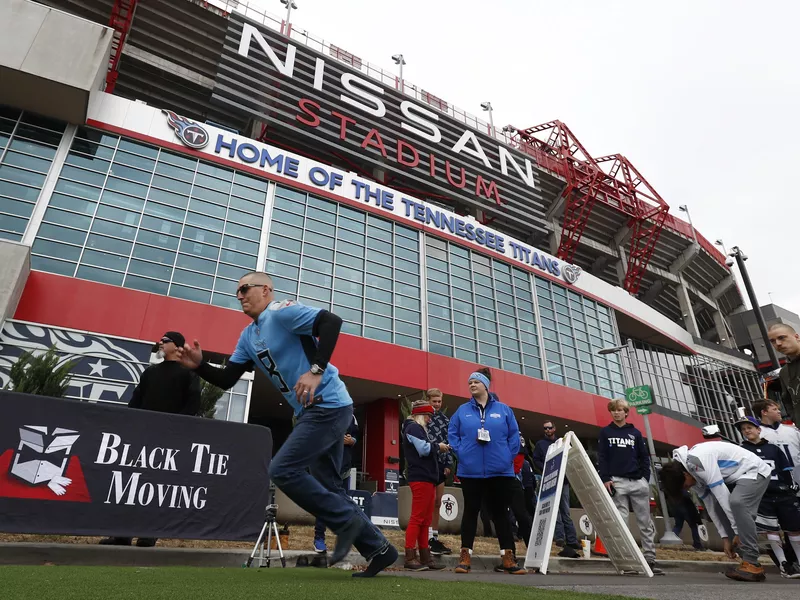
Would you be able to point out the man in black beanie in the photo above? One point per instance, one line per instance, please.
(164, 387)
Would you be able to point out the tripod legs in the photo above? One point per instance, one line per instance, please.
(269, 529)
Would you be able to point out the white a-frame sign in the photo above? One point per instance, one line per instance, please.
(567, 456)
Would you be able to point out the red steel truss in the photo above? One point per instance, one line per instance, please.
(611, 180)
(120, 22)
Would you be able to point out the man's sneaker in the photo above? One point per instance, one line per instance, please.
(746, 572)
(790, 570)
(569, 552)
(319, 546)
(654, 568)
(560, 543)
(438, 548)
(575, 546)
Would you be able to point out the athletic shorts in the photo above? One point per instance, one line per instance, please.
(776, 513)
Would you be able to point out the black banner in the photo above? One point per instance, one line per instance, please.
(69, 467)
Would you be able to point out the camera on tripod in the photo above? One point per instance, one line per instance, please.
(268, 531)
(271, 512)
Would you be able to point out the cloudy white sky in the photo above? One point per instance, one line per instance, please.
(702, 96)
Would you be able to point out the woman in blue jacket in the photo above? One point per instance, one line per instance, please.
(484, 435)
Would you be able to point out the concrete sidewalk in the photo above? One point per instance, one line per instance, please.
(96, 555)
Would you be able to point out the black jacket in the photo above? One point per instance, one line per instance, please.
(168, 387)
(347, 454)
(790, 385)
(621, 452)
(781, 481)
(421, 454)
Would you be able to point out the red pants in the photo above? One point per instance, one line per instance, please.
(423, 497)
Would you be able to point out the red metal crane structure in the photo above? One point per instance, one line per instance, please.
(611, 180)
(120, 22)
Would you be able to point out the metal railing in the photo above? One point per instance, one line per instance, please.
(390, 79)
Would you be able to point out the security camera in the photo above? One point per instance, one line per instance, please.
(486, 105)
(729, 262)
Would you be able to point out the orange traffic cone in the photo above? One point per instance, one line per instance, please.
(599, 548)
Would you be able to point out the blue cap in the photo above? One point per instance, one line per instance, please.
(743, 420)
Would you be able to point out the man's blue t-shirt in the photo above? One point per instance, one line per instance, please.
(281, 344)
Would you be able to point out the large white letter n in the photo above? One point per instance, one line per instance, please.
(249, 32)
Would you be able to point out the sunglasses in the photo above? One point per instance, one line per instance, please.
(242, 289)
(548, 428)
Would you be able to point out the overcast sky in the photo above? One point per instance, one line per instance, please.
(702, 96)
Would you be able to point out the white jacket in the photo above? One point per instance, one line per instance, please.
(787, 438)
(714, 464)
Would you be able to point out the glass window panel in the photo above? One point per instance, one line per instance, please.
(274, 268)
(39, 263)
(187, 293)
(226, 301)
(168, 198)
(101, 275)
(318, 227)
(68, 202)
(165, 212)
(237, 258)
(214, 210)
(406, 302)
(77, 189)
(347, 314)
(243, 232)
(351, 328)
(407, 328)
(157, 239)
(208, 195)
(253, 182)
(95, 142)
(285, 243)
(314, 204)
(130, 173)
(63, 234)
(342, 285)
(440, 337)
(193, 279)
(193, 218)
(126, 187)
(349, 248)
(132, 160)
(122, 201)
(378, 334)
(208, 181)
(148, 269)
(350, 274)
(87, 162)
(438, 323)
(173, 185)
(379, 308)
(54, 215)
(20, 176)
(287, 217)
(33, 147)
(198, 249)
(286, 286)
(146, 285)
(315, 292)
(239, 245)
(230, 272)
(101, 242)
(378, 321)
(408, 341)
(380, 282)
(116, 214)
(350, 237)
(407, 278)
(159, 255)
(56, 249)
(113, 229)
(243, 218)
(14, 207)
(250, 194)
(247, 206)
(284, 256)
(315, 278)
(196, 264)
(138, 148)
(103, 259)
(348, 300)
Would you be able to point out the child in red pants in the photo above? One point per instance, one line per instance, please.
(422, 476)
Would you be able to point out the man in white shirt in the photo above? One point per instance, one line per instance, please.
(785, 437)
(710, 467)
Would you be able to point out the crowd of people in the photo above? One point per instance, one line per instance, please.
(747, 489)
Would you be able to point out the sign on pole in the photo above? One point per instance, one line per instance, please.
(641, 398)
(568, 457)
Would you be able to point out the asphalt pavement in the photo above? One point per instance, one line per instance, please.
(673, 586)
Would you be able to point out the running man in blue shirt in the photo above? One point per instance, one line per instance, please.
(292, 345)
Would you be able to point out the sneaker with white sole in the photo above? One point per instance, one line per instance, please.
(319, 546)
(790, 570)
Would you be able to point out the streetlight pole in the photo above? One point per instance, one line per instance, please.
(289, 4)
(669, 536)
(487, 106)
(740, 257)
(684, 208)
(400, 60)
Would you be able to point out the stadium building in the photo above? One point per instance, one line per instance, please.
(152, 152)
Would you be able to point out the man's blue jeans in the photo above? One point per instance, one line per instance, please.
(319, 526)
(564, 520)
(316, 444)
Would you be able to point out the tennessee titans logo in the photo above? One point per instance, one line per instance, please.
(571, 273)
(189, 132)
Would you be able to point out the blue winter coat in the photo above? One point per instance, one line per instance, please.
(478, 460)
